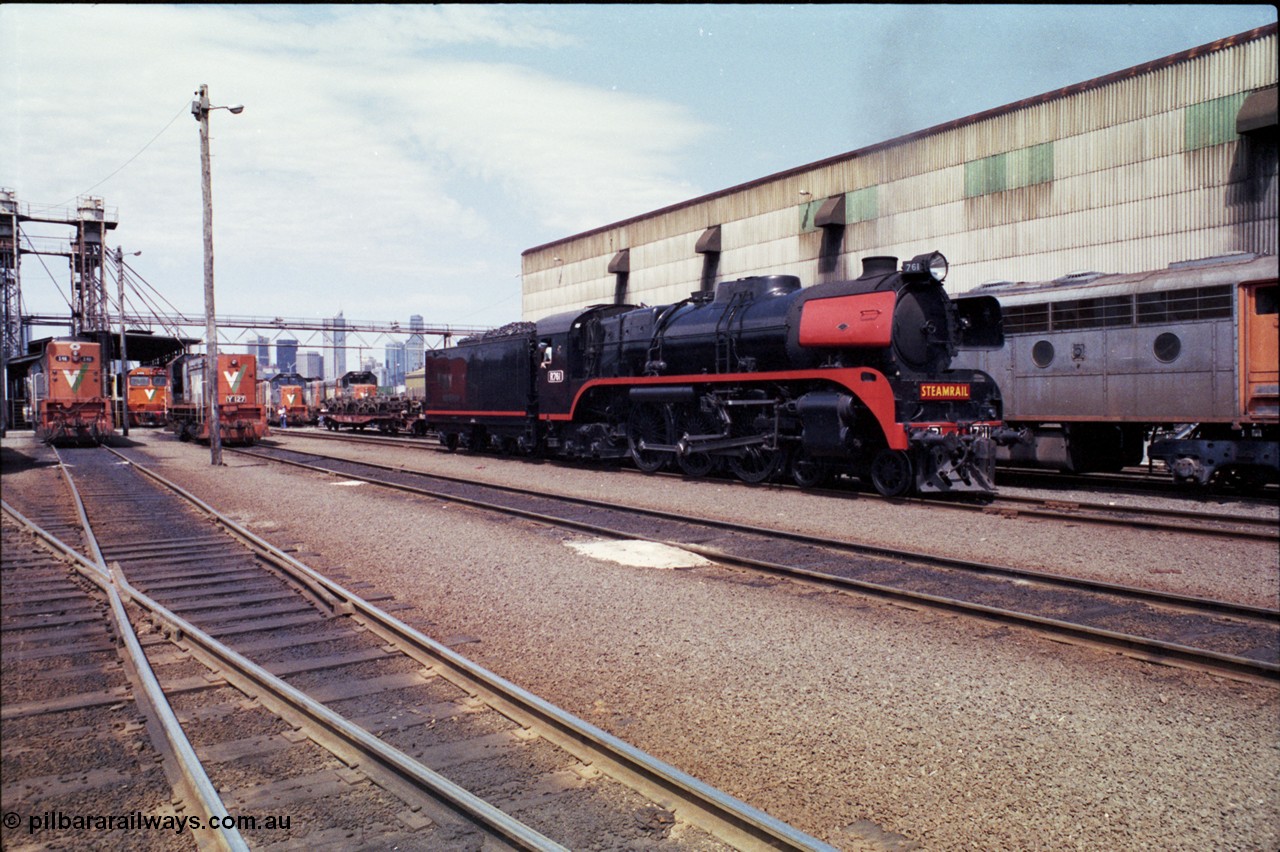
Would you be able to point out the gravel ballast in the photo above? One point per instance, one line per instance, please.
(866, 724)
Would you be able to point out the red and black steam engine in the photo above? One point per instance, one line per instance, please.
(762, 377)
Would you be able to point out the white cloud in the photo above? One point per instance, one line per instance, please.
(369, 158)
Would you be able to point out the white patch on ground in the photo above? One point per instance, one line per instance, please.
(639, 554)
(349, 482)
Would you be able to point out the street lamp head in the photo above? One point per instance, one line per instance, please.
(237, 109)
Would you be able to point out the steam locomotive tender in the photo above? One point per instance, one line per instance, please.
(762, 377)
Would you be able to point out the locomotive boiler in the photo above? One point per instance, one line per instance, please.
(761, 377)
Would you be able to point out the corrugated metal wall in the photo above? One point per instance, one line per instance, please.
(1126, 173)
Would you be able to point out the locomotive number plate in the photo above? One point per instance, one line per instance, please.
(944, 390)
(235, 397)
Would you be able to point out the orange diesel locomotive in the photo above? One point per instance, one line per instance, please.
(148, 396)
(68, 405)
(241, 419)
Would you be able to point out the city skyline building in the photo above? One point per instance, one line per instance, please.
(287, 355)
(311, 364)
(335, 340)
(415, 346)
(395, 364)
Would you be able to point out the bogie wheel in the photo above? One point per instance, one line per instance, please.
(809, 472)
(891, 473)
(450, 441)
(756, 464)
(649, 424)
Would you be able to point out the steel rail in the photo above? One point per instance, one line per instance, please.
(1129, 479)
(1041, 507)
(1152, 650)
(257, 681)
(1132, 592)
(1069, 505)
(722, 815)
(96, 571)
(254, 680)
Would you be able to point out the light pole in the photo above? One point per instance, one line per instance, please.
(200, 109)
(124, 352)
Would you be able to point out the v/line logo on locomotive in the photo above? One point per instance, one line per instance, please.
(233, 381)
(75, 377)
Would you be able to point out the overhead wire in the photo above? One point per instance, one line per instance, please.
(128, 161)
(32, 248)
(132, 280)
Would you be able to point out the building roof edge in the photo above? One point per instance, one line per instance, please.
(1074, 89)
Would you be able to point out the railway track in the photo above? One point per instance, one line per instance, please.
(310, 704)
(89, 733)
(1136, 480)
(73, 729)
(1226, 525)
(1217, 636)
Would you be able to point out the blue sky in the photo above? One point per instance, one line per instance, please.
(396, 160)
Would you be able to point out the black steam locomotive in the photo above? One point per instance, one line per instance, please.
(761, 377)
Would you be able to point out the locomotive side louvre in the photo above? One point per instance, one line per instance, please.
(762, 376)
(65, 388)
(1095, 365)
(264, 395)
(241, 416)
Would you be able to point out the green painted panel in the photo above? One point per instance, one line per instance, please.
(1211, 122)
(1029, 166)
(862, 205)
(1024, 167)
(985, 176)
(808, 212)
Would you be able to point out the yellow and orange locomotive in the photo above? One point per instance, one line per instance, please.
(68, 401)
(241, 419)
(148, 396)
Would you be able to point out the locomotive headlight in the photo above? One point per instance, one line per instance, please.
(933, 264)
